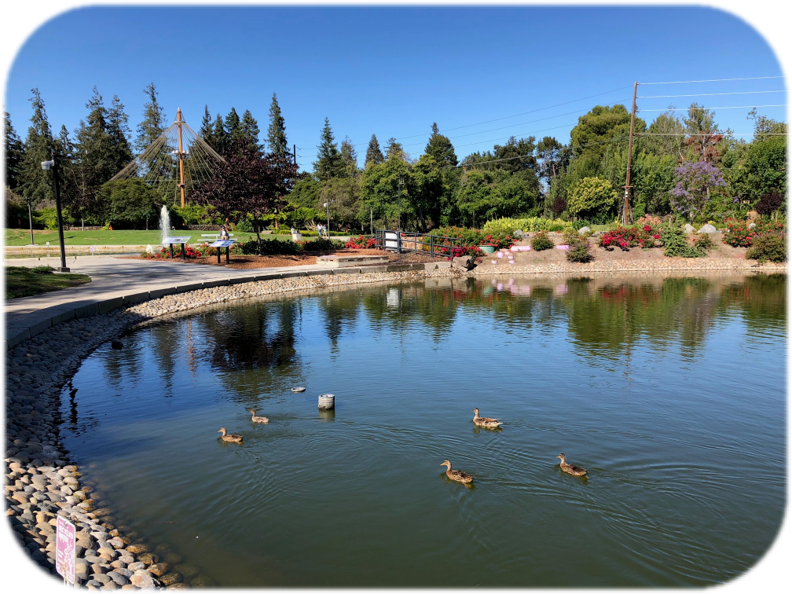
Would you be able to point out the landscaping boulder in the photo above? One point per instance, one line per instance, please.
(708, 229)
(583, 230)
(752, 215)
(689, 228)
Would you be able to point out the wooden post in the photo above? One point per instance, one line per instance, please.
(181, 155)
(627, 185)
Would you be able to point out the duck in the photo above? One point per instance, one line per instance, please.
(457, 475)
(571, 468)
(256, 419)
(230, 437)
(486, 422)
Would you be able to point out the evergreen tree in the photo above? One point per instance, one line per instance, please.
(206, 124)
(233, 126)
(219, 139)
(14, 154)
(93, 142)
(440, 149)
(250, 128)
(153, 124)
(276, 133)
(329, 163)
(349, 158)
(118, 129)
(374, 155)
(395, 150)
(36, 183)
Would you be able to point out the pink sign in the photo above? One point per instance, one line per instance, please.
(64, 549)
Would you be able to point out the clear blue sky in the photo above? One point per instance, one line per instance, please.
(392, 71)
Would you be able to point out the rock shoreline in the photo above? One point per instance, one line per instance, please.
(42, 481)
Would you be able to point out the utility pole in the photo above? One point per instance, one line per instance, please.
(627, 217)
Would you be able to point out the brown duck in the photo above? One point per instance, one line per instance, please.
(230, 437)
(256, 419)
(457, 475)
(571, 468)
(486, 422)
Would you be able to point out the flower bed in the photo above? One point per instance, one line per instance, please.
(462, 241)
(738, 234)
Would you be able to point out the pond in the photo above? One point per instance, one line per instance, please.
(669, 391)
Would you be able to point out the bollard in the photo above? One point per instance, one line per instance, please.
(326, 401)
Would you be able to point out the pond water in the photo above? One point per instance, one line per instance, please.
(671, 392)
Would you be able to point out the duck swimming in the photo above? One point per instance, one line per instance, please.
(457, 475)
(230, 437)
(486, 422)
(571, 468)
(256, 419)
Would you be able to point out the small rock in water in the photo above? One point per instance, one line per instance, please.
(117, 344)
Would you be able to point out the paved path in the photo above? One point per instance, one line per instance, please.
(118, 281)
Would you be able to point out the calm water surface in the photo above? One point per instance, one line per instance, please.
(671, 392)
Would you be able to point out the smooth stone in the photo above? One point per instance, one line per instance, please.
(708, 229)
(136, 566)
(583, 230)
(138, 548)
(689, 228)
(159, 569)
(142, 581)
(174, 577)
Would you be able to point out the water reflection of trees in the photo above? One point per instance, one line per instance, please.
(263, 335)
(760, 299)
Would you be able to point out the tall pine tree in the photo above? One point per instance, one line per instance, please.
(219, 139)
(329, 163)
(233, 125)
(14, 155)
(118, 129)
(349, 158)
(250, 129)
(276, 132)
(374, 155)
(153, 124)
(394, 150)
(206, 124)
(36, 183)
(440, 148)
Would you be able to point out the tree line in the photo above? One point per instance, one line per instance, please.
(686, 166)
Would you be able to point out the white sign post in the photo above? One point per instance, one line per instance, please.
(65, 558)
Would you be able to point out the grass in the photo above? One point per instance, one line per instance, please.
(23, 282)
(19, 237)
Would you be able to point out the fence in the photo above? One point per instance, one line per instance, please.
(434, 245)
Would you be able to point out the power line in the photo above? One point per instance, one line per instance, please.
(681, 82)
(711, 134)
(703, 107)
(523, 113)
(707, 94)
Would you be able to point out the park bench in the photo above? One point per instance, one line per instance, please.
(214, 236)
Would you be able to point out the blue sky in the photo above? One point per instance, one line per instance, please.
(393, 71)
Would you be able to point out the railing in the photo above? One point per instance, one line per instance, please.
(433, 245)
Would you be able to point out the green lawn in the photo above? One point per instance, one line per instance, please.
(17, 237)
(23, 282)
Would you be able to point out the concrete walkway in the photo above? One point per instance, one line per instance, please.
(119, 281)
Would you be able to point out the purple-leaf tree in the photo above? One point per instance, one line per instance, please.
(694, 183)
(248, 183)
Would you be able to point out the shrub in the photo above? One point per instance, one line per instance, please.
(768, 246)
(676, 244)
(42, 269)
(541, 241)
(577, 225)
(769, 203)
(592, 195)
(626, 237)
(469, 239)
(320, 245)
(579, 249)
(527, 224)
(360, 243)
(739, 235)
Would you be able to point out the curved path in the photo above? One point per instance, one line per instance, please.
(125, 281)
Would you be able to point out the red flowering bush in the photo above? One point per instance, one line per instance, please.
(738, 234)
(627, 237)
(361, 243)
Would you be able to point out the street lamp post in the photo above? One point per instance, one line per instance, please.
(46, 166)
(327, 229)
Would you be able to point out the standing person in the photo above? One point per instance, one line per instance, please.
(319, 229)
(223, 232)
